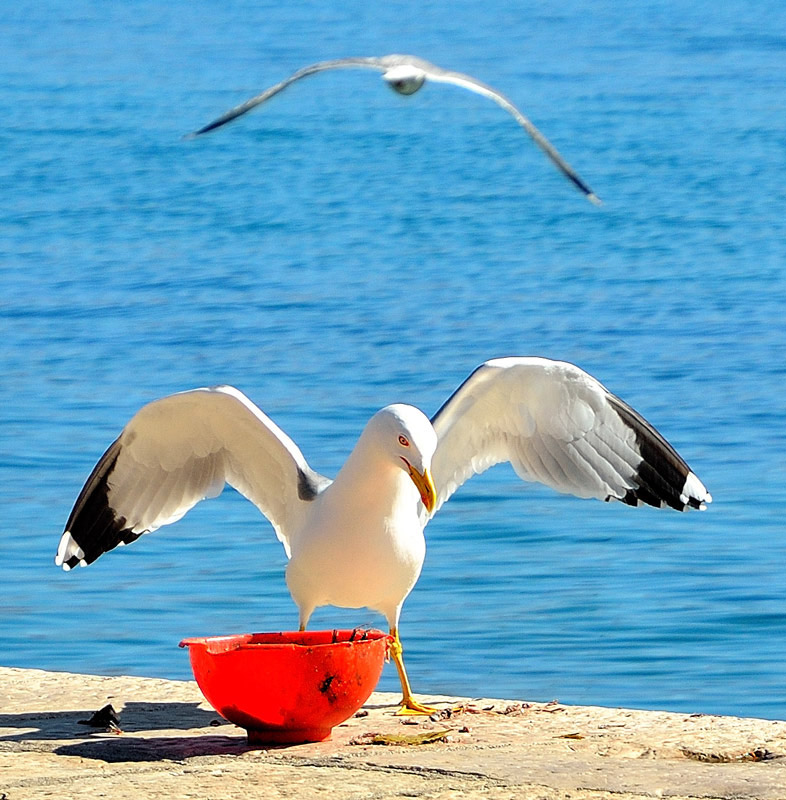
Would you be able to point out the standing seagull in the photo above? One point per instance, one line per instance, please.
(358, 540)
(405, 75)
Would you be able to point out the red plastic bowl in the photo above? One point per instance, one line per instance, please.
(288, 687)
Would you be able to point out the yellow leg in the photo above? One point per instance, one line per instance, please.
(409, 706)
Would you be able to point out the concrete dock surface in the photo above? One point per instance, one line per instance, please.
(172, 745)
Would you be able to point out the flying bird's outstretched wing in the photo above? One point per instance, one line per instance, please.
(313, 69)
(558, 426)
(439, 75)
(177, 451)
(406, 74)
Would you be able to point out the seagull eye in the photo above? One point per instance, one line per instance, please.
(403, 441)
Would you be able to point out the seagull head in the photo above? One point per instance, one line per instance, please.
(404, 78)
(406, 436)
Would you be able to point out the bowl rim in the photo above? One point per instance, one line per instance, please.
(347, 637)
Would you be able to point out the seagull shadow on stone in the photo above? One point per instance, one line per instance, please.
(133, 718)
(116, 749)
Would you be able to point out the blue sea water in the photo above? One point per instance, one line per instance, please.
(344, 248)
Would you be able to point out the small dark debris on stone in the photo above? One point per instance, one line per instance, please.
(105, 718)
(362, 713)
(364, 738)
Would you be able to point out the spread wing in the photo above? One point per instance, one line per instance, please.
(177, 451)
(558, 426)
(379, 64)
(439, 75)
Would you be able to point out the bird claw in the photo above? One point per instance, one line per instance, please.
(412, 708)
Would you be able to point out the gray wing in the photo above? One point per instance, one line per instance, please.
(379, 64)
(558, 426)
(440, 75)
(177, 451)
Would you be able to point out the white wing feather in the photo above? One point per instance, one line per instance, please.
(557, 426)
(185, 447)
(177, 451)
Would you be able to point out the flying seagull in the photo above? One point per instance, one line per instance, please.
(357, 541)
(405, 75)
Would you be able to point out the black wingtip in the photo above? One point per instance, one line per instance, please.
(230, 115)
(93, 524)
(662, 478)
(206, 129)
(580, 185)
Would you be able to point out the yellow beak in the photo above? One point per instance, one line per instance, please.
(425, 485)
